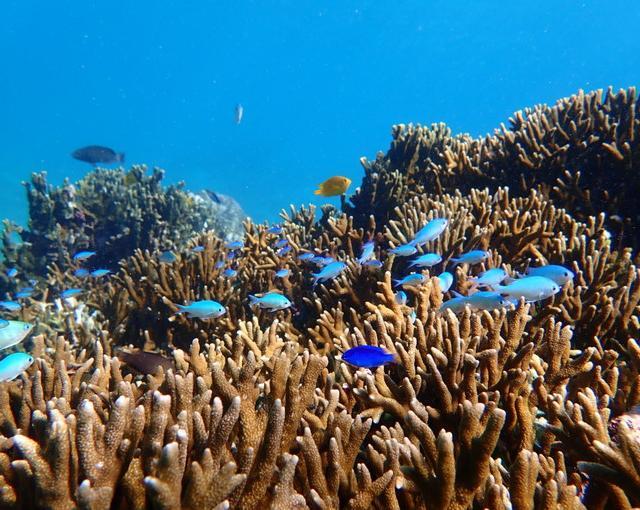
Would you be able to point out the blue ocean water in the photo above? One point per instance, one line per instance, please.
(321, 83)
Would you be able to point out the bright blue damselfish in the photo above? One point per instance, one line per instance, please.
(367, 252)
(329, 272)
(205, 309)
(490, 278)
(472, 257)
(83, 255)
(271, 301)
(367, 356)
(558, 274)
(426, 260)
(13, 365)
(404, 250)
(430, 231)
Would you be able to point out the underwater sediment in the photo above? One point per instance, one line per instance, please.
(527, 406)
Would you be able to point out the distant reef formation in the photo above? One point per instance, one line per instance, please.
(113, 212)
(583, 154)
(531, 406)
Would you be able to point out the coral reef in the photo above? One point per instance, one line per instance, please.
(113, 212)
(529, 406)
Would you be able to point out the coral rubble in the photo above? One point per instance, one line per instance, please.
(527, 406)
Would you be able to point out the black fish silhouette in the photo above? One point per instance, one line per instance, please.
(96, 154)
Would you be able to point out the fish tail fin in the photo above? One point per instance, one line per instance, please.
(456, 294)
(120, 157)
(181, 309)
(253, 300)
(455, 260)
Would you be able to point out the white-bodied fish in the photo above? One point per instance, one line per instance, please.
(558, 274)
(426, 260)
(238, 113)
(472, 257)
(490, 278)
(404, 250)
(411, 280)
(486, 300)
(205, 309)
(367, 252)
(271, 301)
(401, 297)
(430, 231)
(13, 365)
(14, 333)
(531, 288)
(456, 304)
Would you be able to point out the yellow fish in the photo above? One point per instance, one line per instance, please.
(336, 185)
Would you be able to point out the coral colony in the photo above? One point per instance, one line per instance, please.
(500, 371)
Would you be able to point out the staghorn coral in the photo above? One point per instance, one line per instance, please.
(534, 406)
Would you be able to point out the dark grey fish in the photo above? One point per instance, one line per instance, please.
(96, 154)
(146, 362)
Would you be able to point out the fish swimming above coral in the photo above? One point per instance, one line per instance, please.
(83, 255)
(367, 356)
(430, 231)
(145, 362)
(329, 272)
(167, 257)
(271, 301)
(490, 278)
(13, 365)
(333, 186)
(205, 309)
(404, 250)
(426, 260)
(10, 306)
(411, 280)
(558, 274)
(14, 333)
(471, 257)
(446, 280)
(531, 288)
(95, 154)
(367, 252)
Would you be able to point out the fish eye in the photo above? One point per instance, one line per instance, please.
(566, 274)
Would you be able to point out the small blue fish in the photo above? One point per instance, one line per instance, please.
(65, 294)
(219, 264)
(97, 273)
(367, 252)
(231, 255)
(472, 257)
(404, 250)
(271, 301)
(81, 272)
(3, 323)
(412, 280)
(445, 280)
(275, 230)
(11, 272)
(283, 273)
(373, 263)
(306, 256)
(197, 249)
(14, 333)
(558, 274)
(167, 257)
(83, 255)
(13, 365)
(11, 306)
(486, 300)
(33, 282)
(456, 304)
(329, 272)
(281, 242)
(426, 260)
(401, 297)
(322, 260)
(205, 309)
(531, 288)
(229, 273)
(23, 294)
(234, 245)
(368, 356)
(490, 278)
(283, 251)
(430, 231)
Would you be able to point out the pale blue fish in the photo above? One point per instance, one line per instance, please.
(275, 230)
(231, 255)
(558, 274)
(13, 365)
(445, 280)
(404, 250)
(271, 301)
(401, 297)
(81, 272)
(65, 294)
(471, 257)
(283, 273)
(283, 251)
(11, 306)
(234, 245)
(97, 273)
(205, 309)
(322, 260)
(83, 255)
(367, 356)
(33, 282)
(3, 323)
(14, 333)
(490, 278)
(22, 294)
(306, 256)
(11, 272)
(426, 260)
(329, 272)
(373, 263)
(167, 257)
(229, 273)
(281, 242)
(486, 300)
(197, 249)
(456, 304)
(430, 231)
(367, 252)
(219, 264)
(413, 316)
(412, 280)
(531, 288)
